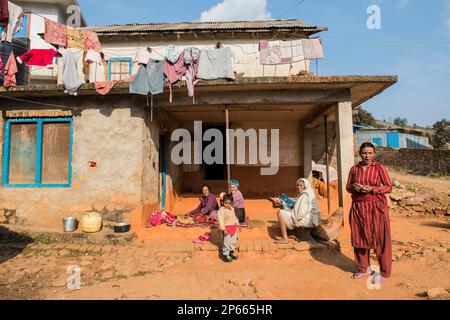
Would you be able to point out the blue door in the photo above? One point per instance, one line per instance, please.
(393, 139)
(377, 141)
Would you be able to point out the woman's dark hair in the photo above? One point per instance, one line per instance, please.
(367, 145)
(228, 197)
(206, 186)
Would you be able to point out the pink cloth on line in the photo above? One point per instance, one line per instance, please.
(104, 88)
(39, 57)
(191, 77)
(10, 72)
(174, 72)
(313, 49)
(55, 33)
(91, 41)
(1, 64)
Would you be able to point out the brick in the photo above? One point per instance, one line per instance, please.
(250, 246)
(302, 246)
(242, 246)
(286, 246)
(258, 245)
(266, 246)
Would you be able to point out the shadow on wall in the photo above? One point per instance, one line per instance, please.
(12, 244)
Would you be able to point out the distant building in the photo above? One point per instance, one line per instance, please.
(393, 138)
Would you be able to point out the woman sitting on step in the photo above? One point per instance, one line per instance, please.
(208, 207)
(238, 200)
(300, 212)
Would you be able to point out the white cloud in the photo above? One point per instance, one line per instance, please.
(229, 10)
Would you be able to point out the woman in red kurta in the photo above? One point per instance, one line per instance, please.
(369, 216)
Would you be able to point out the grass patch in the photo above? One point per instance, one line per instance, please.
(121, 276)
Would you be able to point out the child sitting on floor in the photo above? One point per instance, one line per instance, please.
(228, 224)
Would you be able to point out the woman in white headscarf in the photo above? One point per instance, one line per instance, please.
(305, 213)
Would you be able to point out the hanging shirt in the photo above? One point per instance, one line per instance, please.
(10, 72)
(55, 33)
(148, 79)
(216, 64)
(142, 56)
(275, 52)
(91, 41)
(38, 57)
(75, 38)
(4, 13)
(313, 49)
(171, 53)
(93, 56)
(14, 22)
(174, 72)
(70, 77)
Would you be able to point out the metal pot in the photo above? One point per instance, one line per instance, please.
(70, 224)
(122, 227)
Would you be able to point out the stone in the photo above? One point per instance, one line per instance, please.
(437, 293)
(396, 197)
(440, 249)
(289, 245)
(85, 263)
(64, 252)
(302, 246)
(411, 202)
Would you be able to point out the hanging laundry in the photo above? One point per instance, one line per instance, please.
(174, 71)
(93, 56)
(142, 56)
(148, 79)
(1, 64)
(10, 72)
(191, 59)
(91, 41)
(171, 54)
(216, 64)
(75, 38)
(313, 49)
(38, 57)
(15, 22)
(55, 33)
(191, 54)
(104, 88)
(70, 77)
(4, 13)
(275, 52)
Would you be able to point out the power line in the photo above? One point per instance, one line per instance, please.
(290, 9)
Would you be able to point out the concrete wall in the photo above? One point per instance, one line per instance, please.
(116, 135)
(252, 182)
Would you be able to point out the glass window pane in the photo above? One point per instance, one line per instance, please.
(22, 159)
(55, 153)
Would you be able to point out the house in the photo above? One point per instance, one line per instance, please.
(393, 137)
(65, 155)
(35, 12)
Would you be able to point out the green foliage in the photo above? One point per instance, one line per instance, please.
(441, 137)
(364, 117)
(401, 122)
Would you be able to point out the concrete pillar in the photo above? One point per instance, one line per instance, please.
(345, 155)
(307, 153)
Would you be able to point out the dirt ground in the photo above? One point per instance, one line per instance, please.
(140, 271)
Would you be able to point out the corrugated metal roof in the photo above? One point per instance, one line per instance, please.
(260, 25)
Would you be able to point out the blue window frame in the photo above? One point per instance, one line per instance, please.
(119, 68)
(29, 151)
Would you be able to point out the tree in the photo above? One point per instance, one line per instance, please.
(401, 122)
(364, 117)
(441, 137)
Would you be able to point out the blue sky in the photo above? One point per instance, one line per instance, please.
(413, 43)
